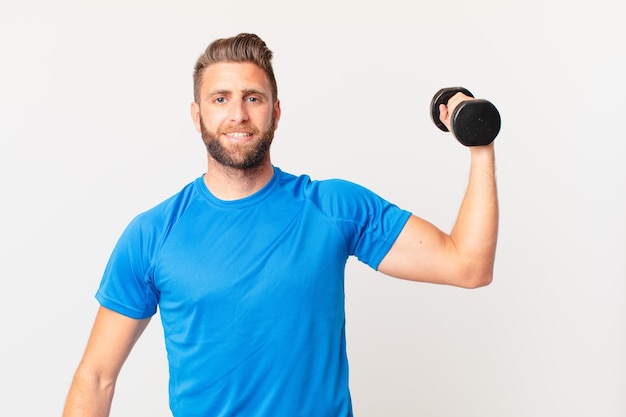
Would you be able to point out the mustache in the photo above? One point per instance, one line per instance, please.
(240, 128)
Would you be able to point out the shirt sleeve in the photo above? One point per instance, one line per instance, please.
(126, 286)
(369, 223)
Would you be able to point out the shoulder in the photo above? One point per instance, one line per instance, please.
(320, 188)
(166, 213)
(335, 197)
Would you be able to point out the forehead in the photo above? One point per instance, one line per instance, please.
(234, 76)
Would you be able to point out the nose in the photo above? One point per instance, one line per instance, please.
(239, 112)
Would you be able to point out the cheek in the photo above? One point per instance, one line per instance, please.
(210, 121)
(270, 121)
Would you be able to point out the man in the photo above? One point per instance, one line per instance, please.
(246, 263)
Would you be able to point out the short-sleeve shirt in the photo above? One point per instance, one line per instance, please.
(251, 292)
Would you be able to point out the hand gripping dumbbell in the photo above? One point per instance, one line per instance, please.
(473, 122)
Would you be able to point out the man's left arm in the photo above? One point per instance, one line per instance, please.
(464, 257)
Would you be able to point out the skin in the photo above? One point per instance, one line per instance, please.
(237, 111)
(111, 340)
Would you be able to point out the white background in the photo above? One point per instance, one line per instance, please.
(95, 127)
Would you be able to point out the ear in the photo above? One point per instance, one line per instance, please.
(276, 113)
(195, 116)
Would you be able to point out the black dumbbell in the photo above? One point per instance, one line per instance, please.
(473, 122)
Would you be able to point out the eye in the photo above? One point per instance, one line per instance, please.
(253, 99)
(220, 100)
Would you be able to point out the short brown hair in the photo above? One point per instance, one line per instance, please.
(245, 47)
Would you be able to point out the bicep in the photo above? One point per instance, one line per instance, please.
(112, 338)
(422, 252)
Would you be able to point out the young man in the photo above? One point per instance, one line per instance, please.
(246, 263)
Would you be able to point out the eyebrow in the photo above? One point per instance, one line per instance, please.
(251, 91)
(246, 92)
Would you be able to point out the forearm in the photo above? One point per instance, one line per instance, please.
(476, 229)
(89, 396)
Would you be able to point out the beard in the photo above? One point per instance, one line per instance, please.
(239, 156)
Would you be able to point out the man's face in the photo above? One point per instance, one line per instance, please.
(236, 114)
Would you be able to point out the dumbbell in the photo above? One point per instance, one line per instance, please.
(473, 122)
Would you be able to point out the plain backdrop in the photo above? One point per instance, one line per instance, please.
(95, 127)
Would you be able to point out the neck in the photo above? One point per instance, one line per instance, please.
(228, 183)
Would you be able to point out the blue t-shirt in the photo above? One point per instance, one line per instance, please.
(251, 292)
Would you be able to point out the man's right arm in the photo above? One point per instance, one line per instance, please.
(112, 338)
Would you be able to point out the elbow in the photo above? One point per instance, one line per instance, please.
(478, 281)
(94, 378)
(476, 276)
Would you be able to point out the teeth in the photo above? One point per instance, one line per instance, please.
(239, 134)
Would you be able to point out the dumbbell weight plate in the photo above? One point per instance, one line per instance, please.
(475, 123)
(441, 97)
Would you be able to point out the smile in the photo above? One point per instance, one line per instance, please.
(239, 137)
